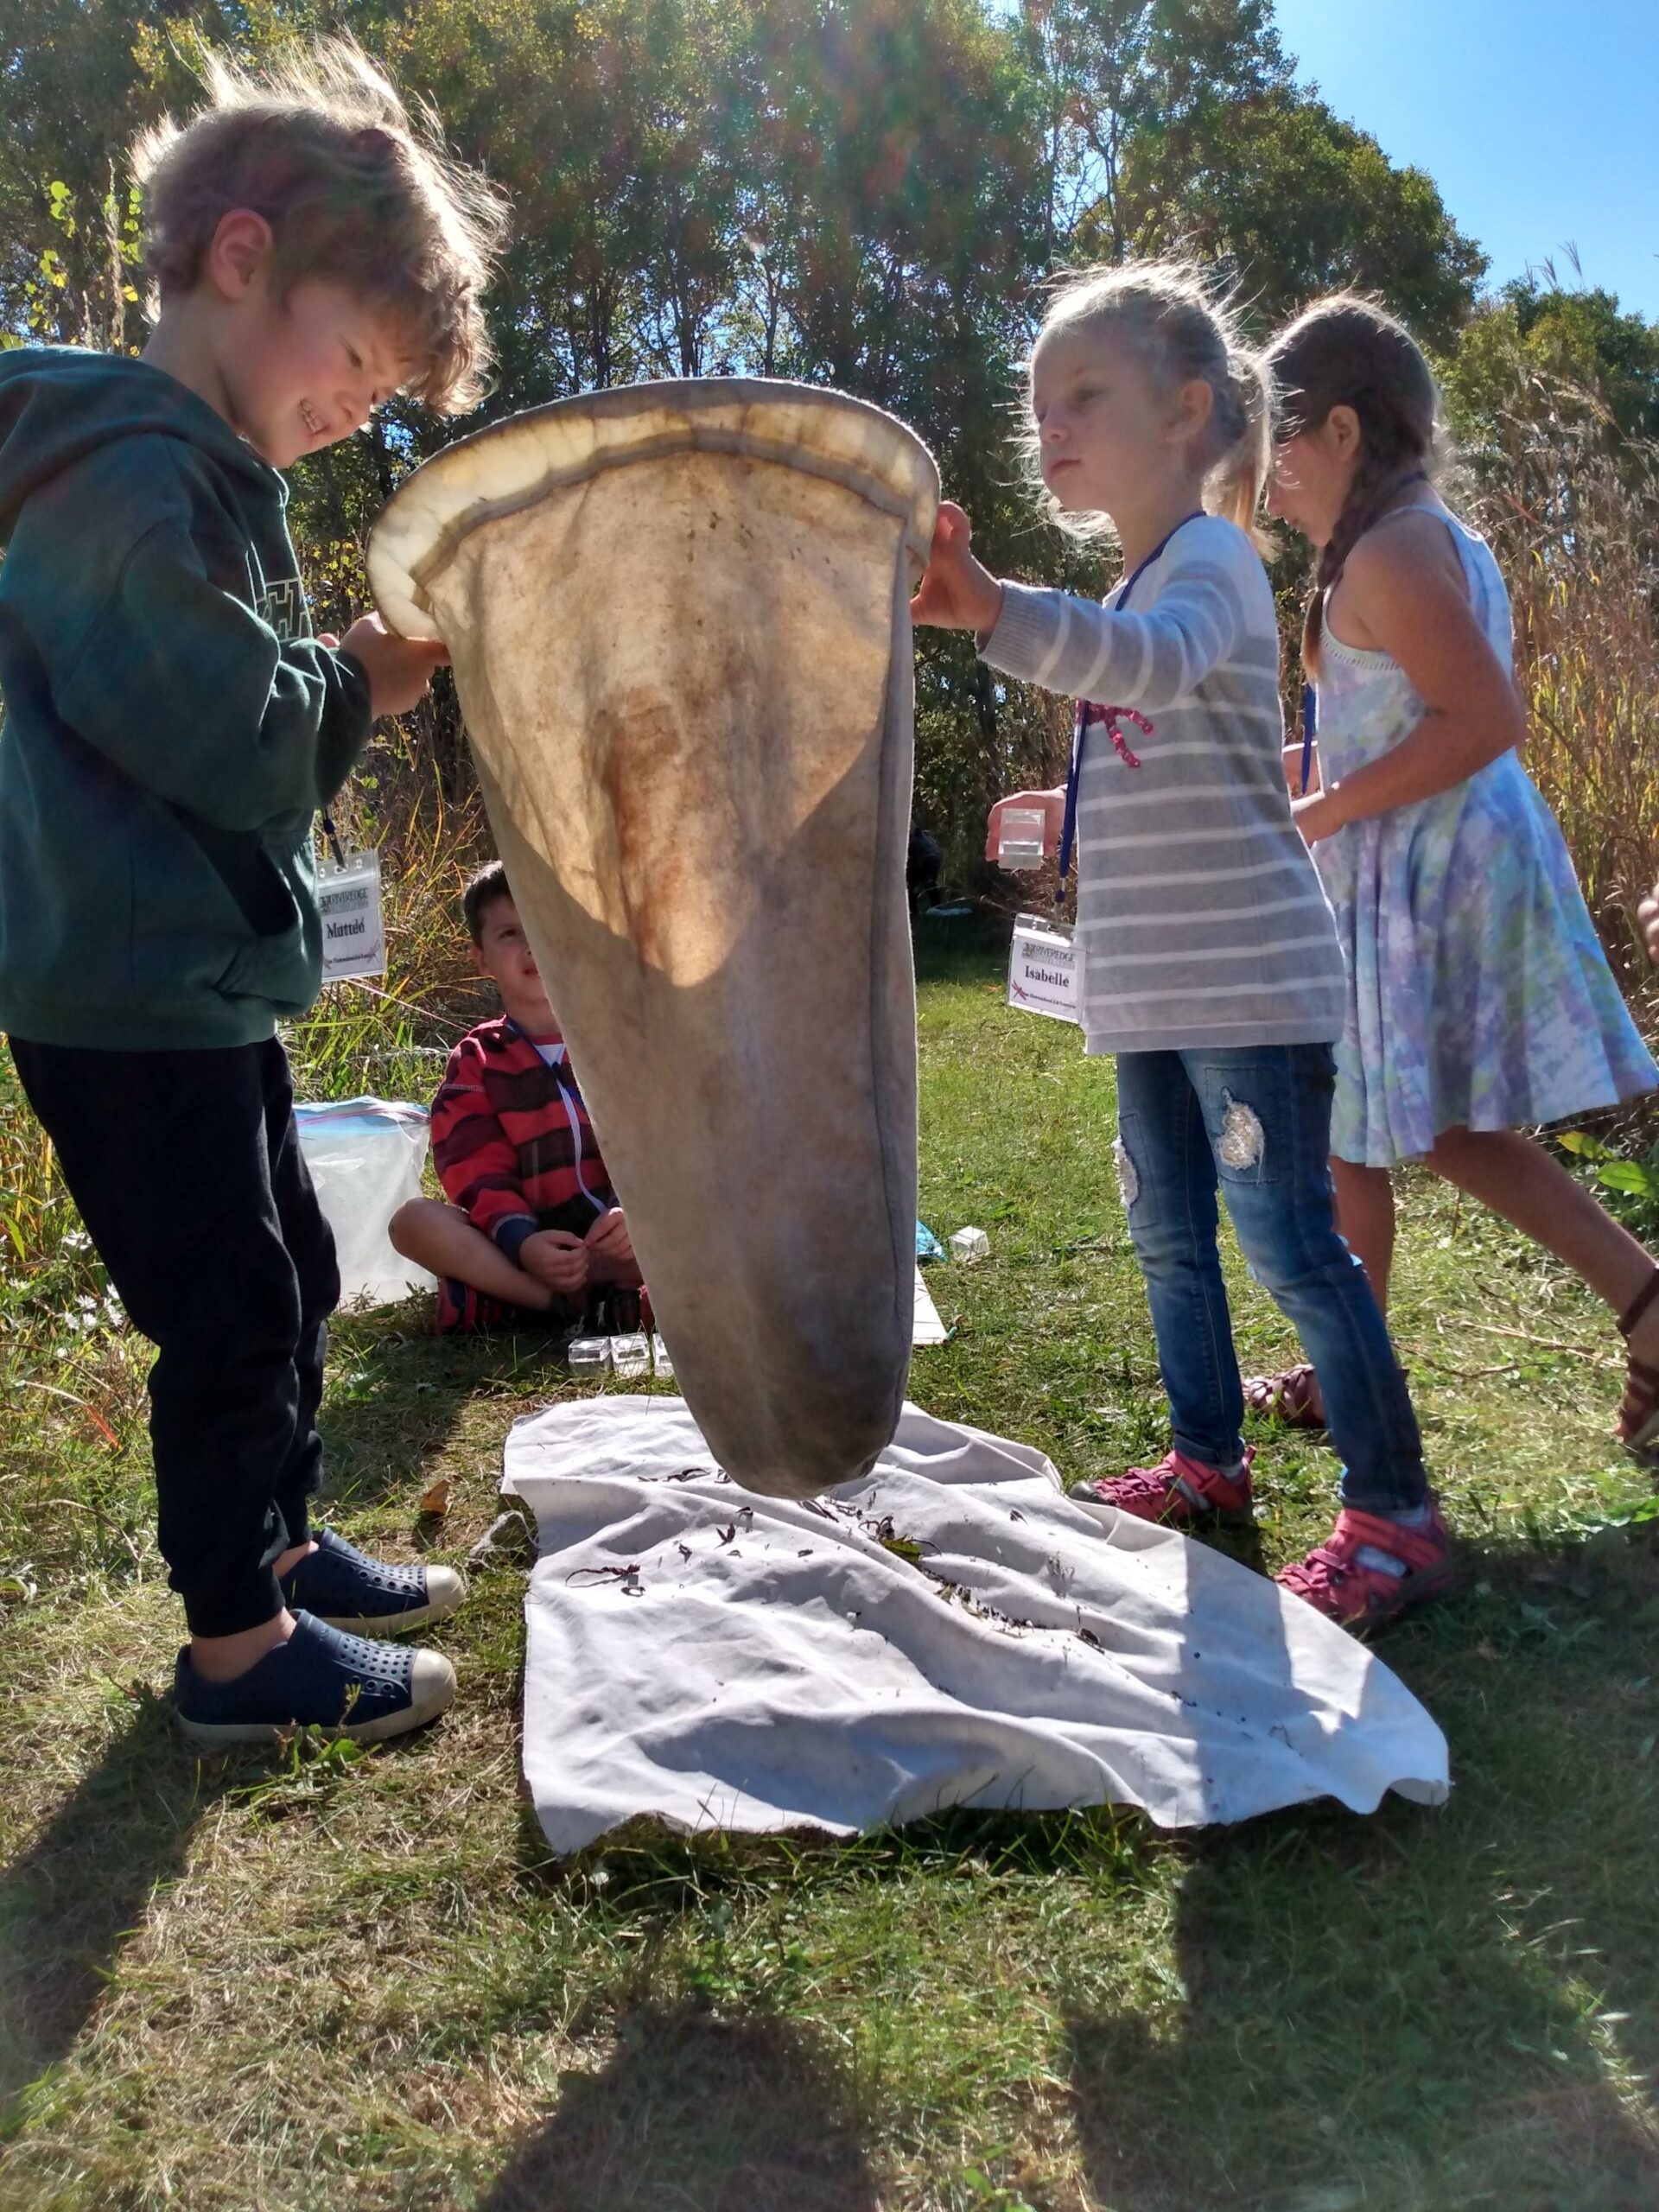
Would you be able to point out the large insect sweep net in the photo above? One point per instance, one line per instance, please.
(678, 617)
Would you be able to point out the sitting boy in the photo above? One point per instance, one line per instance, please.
(533, 1224)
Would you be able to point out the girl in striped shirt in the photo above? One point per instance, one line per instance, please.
(1210, 963)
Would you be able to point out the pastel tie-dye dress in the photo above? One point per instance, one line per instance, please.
(1478, 995)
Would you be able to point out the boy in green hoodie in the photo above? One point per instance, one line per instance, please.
(172, 727)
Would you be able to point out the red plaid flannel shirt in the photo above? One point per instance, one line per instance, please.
(512, 1140)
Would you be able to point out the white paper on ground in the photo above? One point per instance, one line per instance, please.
(926, 1327)
(722, 1659)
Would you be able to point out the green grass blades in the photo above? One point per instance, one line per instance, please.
(357, 1982)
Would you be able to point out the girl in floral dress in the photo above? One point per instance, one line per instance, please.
(1480, 1003)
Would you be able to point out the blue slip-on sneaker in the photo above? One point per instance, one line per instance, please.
(320, 1678)
(370, 1597)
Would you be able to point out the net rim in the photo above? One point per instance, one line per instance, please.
(509, 464)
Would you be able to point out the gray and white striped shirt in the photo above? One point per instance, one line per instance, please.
(1200, 915)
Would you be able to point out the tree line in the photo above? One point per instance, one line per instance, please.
(867, 194)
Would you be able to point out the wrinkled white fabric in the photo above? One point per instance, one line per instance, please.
(679, 619)
(723, 1661)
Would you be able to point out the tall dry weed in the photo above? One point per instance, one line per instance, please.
(1571, 510)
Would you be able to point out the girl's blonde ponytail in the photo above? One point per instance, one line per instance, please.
(1241, 474)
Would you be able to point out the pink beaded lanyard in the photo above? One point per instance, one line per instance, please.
(1088, 712)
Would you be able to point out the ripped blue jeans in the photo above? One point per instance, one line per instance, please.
(1256, 1119)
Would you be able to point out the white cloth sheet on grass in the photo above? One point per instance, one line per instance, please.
(724, 1660)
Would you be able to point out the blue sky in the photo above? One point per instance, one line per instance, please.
(1538, 119)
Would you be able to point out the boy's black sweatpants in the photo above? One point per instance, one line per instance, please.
(187, 1168)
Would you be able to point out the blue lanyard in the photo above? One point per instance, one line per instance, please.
(1310, 696)
(1310, 721)
(1074, 774)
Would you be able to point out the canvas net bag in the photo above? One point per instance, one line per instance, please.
(679, 616)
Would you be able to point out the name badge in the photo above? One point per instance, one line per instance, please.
(353, 924)
(1044, 971)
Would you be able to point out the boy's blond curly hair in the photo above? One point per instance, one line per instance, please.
(356, 194)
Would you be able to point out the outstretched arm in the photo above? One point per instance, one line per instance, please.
(1150, 660)
(194, 697)
(1076, 645)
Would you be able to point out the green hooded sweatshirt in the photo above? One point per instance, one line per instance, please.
(171, 728)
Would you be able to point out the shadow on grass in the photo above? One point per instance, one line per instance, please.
(701, 2114)
(656, 1876)
(1425, 2011)
(954, 947)
(71, 1900)
(397, 1393)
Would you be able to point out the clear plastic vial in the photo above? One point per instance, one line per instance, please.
(589, 1355)
(630, 1355)
(1020, 836)
(969, 1245)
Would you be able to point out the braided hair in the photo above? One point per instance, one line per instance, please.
(1346, 352)
(1185, 332)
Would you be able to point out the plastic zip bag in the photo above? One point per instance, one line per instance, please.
(365, 1156)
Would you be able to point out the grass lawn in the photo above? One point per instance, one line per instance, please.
(359, 1982)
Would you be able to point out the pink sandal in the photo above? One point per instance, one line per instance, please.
(1181, 1492)
(1292, 1398)
(1346, 1589)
